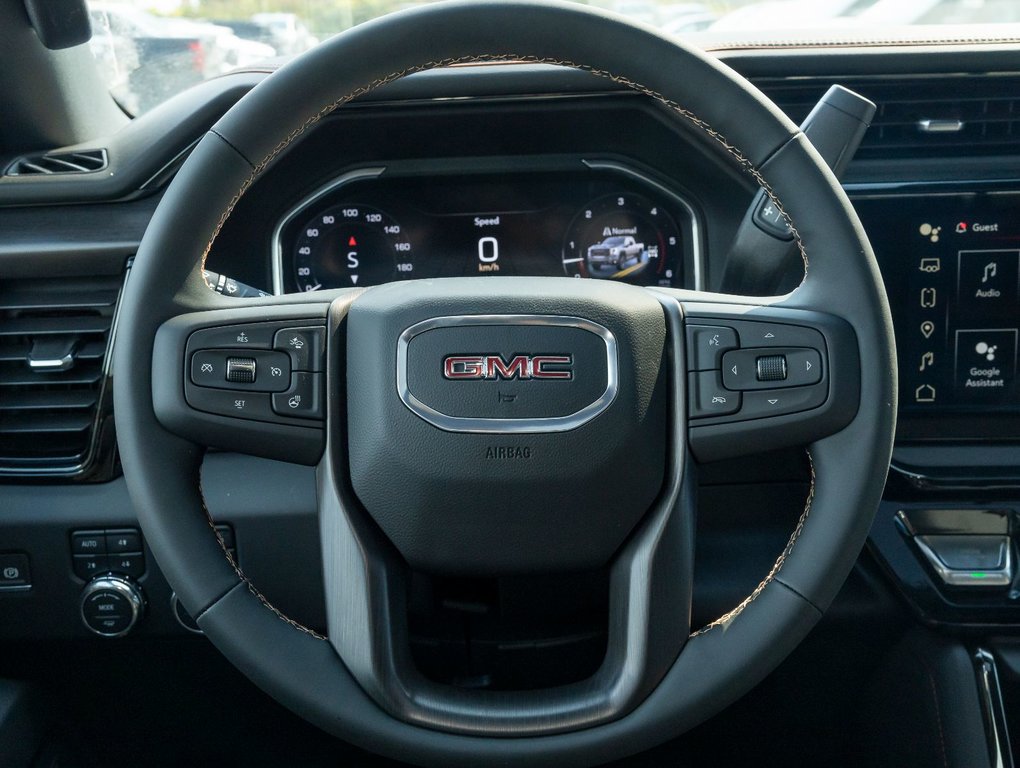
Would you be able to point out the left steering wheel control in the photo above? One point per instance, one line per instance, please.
(261, 371)
(112, 605)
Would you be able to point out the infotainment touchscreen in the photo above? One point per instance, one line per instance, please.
(952, 270)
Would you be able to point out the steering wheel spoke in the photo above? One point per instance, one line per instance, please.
(650, 573)
(250, 378)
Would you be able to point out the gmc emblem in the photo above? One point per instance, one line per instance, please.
(464, 367)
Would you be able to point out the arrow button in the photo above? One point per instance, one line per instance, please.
(805, 367)
(771, 402)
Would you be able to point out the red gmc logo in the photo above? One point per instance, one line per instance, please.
(519, 367)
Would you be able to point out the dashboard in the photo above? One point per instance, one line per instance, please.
(438, 204)
(951, 260)
(451, 174)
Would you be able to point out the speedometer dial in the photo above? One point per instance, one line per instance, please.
(351, 244)
(624, 237)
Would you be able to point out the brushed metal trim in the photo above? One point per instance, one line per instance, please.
(999, 752)
(954, 482)
(992, 577)
(277, 238)
(479, 425)
(930, 125)
(175, 604)
(122, 586)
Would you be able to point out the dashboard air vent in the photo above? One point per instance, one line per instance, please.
(922, 117)
(54, 338)
(53, 163)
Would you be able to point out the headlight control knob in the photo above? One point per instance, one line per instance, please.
(111, 605)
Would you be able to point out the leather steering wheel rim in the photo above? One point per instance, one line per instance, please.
(718, 663)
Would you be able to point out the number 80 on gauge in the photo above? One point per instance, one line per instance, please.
(351, 245)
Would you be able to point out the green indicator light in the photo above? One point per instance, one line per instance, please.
(978, 575)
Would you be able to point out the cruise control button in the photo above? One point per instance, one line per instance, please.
(262, 370)
(708, 397)
(304, 398)
(209, 368)
(241, 405)
(241, 370)
(254, 335)
(706, 344)
(775, 402)
(304, 345)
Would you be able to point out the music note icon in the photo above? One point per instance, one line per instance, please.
(990, 269)
(927, 360)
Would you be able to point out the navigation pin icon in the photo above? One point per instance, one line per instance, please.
(927, 328)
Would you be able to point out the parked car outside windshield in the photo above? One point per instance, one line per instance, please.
(149, 50)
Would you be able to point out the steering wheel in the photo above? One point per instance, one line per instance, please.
(420, 463)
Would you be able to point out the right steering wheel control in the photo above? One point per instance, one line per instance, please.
(749, 369)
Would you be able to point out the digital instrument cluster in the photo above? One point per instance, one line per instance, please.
(373, 227)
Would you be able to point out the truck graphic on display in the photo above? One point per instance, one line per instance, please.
(615, 254)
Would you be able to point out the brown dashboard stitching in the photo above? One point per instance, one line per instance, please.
(776, 567)
(751, 45)
(248, 582)
(743, 162)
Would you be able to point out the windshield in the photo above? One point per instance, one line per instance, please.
(149, 50)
